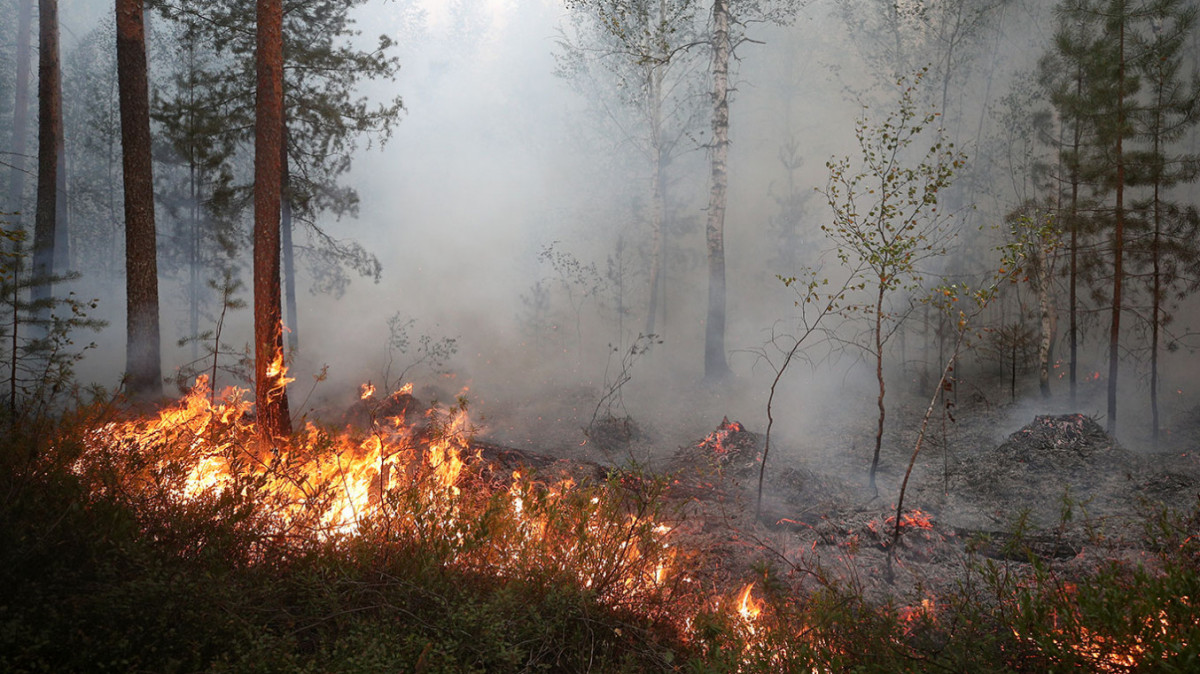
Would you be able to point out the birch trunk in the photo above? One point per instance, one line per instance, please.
(715, 365)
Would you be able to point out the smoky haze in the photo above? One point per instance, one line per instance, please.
(510, 211)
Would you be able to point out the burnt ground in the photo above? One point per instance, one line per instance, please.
(1077, 496)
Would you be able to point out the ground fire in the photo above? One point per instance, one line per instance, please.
(396, 474)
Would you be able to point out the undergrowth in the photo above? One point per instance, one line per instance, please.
(101, 573)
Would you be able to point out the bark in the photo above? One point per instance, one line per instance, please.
(1118, 243)
(1049, 322)
(715, 365)
(20, 122)
(269, 383)
(882, 388)
(49, 135)
(142, 355)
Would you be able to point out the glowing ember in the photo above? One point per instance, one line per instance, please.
(913, 519)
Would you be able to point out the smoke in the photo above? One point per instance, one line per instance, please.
(499, 165)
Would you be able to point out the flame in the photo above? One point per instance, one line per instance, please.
(747, 606)
(366, 391)
(276, 369)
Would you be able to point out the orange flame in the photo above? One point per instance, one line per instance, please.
(747, 606)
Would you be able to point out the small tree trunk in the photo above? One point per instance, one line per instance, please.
(143, 361)
(882, 388)
(715, 365)
(269, 383)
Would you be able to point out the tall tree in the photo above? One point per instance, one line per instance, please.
(716, 367)
(1116, 128)
(143, 361)
(270, 384)
(1063, 73)
(326, 120)
(50, 143)
(1171, 250)
(728, 20)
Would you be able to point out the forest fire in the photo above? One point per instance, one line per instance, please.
(393, 481)
(393, 478)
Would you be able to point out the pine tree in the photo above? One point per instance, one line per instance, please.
(326, 120)
(143, 362)
(1167, 256)
(270, 385)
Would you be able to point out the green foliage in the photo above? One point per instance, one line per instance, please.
(208, 116)
(37, 338)
(886, 214)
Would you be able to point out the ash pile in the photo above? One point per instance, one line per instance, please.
(1050, 464)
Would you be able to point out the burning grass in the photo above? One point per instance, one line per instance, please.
(180, 541)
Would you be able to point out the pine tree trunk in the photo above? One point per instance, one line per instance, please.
(1073, 219)
(20, 122)
(142, 356)
(269, 383)
(715, 366)
(1118, 242)
(1156, 258)
(49, 133)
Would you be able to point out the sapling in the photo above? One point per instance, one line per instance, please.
(964, 304)
(887, 219)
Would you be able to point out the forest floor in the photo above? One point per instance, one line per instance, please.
(1008, 482)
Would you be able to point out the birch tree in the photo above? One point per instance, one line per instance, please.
(887, 221)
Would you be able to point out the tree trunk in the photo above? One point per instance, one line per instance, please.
(20, 122)
(269, 383)
(1156, 263)
(715, 365)
(142, 357)
(1073, 219)
(49, 133)
(1118, 243)
(882, 389)
(1049, 321)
